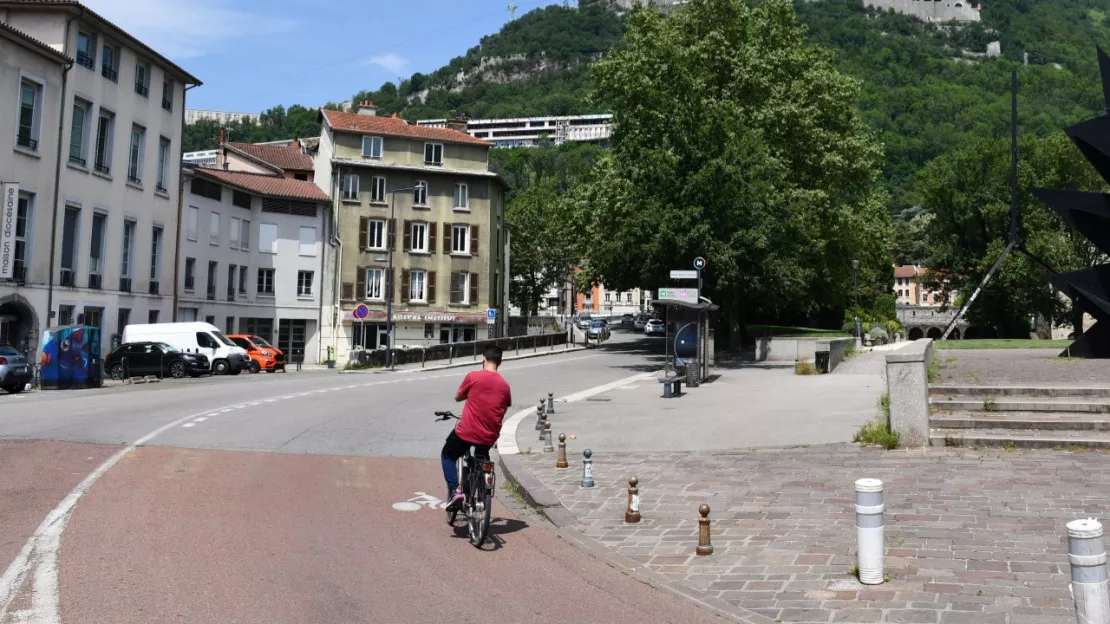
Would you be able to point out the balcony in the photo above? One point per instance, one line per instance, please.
(84, 60)
(125, 284)
(25, 140)
(211, 294)
(94, 281)
(134, 179)
(67, 278)
(102, 168)
(153, 288)
(167, 103)
(142, 89)
(110, 73)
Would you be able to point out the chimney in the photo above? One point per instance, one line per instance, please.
(458, 124)
(223, 136)
(366, 107)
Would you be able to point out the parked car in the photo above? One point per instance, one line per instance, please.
(640, 323)
(584, 321)
(264, 356)
(655, 327)
(627, 320)
(137, 359)
(599, 330)
(15, 374)
(226, 357)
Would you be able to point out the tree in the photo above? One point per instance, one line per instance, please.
(735, 139)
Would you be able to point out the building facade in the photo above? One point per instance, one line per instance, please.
(100, 251)
(532, 131)
(909, 288)
(193, 115)
(426, 198)
(252, 257)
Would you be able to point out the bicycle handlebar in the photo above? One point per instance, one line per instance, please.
(446, 416)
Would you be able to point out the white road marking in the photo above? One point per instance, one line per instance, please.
(192, 424)
(201, 419)
(224, 411)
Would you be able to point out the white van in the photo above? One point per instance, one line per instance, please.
(226, 357)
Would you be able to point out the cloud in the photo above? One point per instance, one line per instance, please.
(390, 61)
(182, 30)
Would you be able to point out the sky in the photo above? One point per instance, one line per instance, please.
(254, 54)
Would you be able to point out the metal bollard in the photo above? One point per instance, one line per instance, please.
(550, 402)
(548, 447)
(587, 469)
(632, 514)
(543, 426)
(539, 417)
(705, 547)
(870, 530)
(561, 459)
(1088, 571)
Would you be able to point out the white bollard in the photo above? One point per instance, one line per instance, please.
(870, 530)
(1088, 572)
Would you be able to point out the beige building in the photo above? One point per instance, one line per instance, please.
(100, 201)
(425, 197)
(909, 288)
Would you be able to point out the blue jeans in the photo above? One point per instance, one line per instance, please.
(454, 448)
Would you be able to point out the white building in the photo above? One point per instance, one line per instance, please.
(97, 207)
(252, 257)
(193, 115)
(203, 158)
(529, 131)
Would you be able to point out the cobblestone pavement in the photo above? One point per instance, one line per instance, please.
(1007, 367)
(973, 536)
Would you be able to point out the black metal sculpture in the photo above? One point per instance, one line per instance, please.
(1089, 214)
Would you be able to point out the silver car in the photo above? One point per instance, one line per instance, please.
(640, 323)
(15, 373)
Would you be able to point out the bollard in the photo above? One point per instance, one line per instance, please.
(704, 545)
(632, 514)
(561, 460)
(870, 530)
(548, 447)
(550, 402)
(587, 469)
(543, 427)
(539, 417)
(1088, 571)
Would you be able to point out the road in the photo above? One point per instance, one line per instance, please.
(270, 498)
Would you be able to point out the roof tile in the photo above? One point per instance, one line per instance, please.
(395, 126)
(280, 156)
(270, 186)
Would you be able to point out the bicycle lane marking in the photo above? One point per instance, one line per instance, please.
(39, 555)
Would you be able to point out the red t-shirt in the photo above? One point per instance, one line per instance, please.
(487, 398)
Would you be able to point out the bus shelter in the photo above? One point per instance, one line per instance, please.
(689, 341)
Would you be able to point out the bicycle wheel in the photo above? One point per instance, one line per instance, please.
(479, 513)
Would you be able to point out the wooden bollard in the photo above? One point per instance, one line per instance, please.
(561, 459)
(704, 546)
(632, 513)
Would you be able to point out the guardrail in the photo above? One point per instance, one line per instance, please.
(458, 350)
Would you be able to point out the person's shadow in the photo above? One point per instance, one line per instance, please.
(497, 528)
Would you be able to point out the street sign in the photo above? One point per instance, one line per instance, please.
(9, 211)
(677, 274)
(700, 263)
(686, 295)
(361, 311)
(491, 316)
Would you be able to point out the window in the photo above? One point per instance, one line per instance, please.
(234, 235)
(429, 331)
(204, 188)
(371, 147)
(245, 236)
(350, 187)
(135, 155)
(167, 94)
(419, 240)
(109, 63)
(24, 206)
(94, 316)
(128, 248)
(152, 316)
(30, 113)
(78, 132)
(214, 228)
(123, 317)
(142, 79)
(417, 284)
(242, 280)
(163, 180)
(105, 128)
(241, 199)
(375, 284)
(608, 296)
(192, 222)
(267, 238)
(460, 287)
(65, 314)
(433, 153)
(377, 189)
(266, 282)
(155, 259)
(308, 241)
(69, 240)
(375, 234)
(190, 273)
(462, 197)
(628, 298)
(460, 239)
(304, 283)
(96, 250)
(232, 271)
(86, 50)
(213, 267)
(420, 194)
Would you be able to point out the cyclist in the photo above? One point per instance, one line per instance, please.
(487, 397)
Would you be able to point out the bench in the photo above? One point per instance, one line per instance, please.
(672, 387)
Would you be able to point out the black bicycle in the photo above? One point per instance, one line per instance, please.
(477, 478)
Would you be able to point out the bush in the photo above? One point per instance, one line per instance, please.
(878, 335)
(803, 367)
(878, 432)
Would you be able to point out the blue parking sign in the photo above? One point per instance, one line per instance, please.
(491, 316)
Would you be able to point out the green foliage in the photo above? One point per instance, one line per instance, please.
(878, 431)
(764, 331)
(804, 367)
(276, 124)
(1003, 344)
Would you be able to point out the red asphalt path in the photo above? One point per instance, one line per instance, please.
(207, 537)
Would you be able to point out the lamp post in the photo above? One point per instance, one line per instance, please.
(855, 297)
(392, 285)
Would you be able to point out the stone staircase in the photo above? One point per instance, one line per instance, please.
(1012, 416)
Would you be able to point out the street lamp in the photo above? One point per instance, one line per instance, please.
(392, 285)
(855, 297)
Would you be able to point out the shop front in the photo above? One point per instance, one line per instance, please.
(414, 328)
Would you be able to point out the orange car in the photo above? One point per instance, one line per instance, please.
(264, 356)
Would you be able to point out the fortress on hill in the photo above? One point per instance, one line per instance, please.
(925, 10)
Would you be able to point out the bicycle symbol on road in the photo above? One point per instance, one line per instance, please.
(420, 501)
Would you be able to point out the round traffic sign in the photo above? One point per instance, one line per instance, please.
(699, 263)
(361, 311)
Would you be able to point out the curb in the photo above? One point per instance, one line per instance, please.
(510, 358)
(537, 496)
